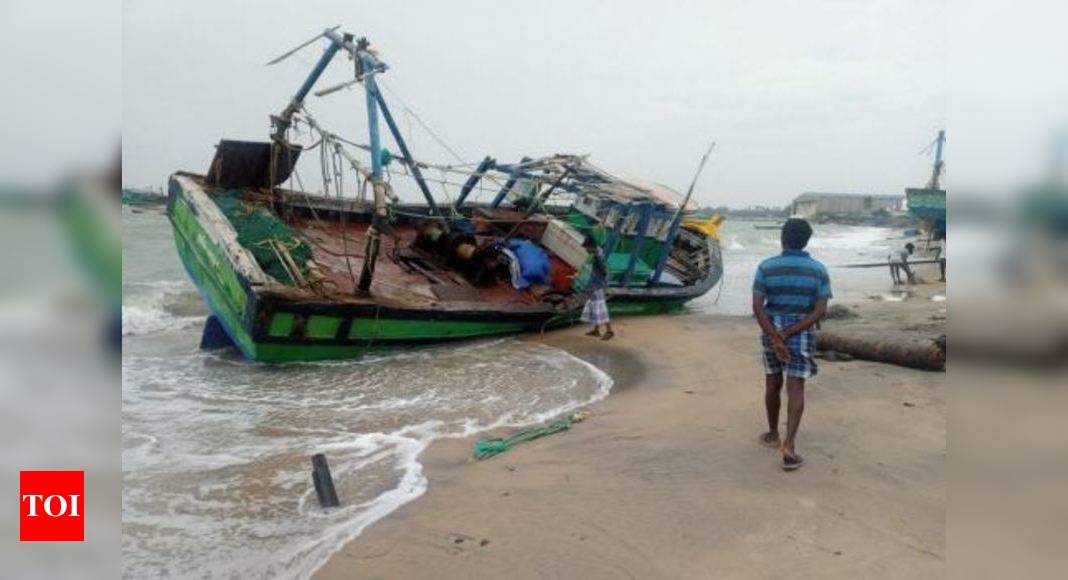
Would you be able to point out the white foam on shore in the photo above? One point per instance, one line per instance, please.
(215, 449)
(414, 484)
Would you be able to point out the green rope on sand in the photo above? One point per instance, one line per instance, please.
(490, 447)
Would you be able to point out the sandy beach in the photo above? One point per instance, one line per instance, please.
(667, 478)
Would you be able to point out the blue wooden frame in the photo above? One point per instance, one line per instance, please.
(644, 217)
(665, 250)
(616, 233)
(480, 171)
(513, 176)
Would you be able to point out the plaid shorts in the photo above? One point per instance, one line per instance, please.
(802, 347)
(596, 310)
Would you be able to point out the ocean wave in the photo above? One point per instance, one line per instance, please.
(850, 237)
(206, 441)
(150, 307)
(138, 320)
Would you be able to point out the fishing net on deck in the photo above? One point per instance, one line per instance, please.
(263, 234)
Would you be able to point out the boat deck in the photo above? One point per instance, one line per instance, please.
(339, 253)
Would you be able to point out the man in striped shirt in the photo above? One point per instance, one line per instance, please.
(790, 293)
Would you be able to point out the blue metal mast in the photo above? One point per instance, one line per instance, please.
(412, 165)
(283, 121)
(368, 66)
(673, 228)
(936, 173)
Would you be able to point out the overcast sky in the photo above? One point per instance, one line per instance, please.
(61, 62)
(812, 95)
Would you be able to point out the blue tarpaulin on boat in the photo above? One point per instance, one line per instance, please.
(533, 263)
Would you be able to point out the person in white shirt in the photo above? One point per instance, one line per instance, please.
(899, 261)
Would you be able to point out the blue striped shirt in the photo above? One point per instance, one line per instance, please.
(791, 283)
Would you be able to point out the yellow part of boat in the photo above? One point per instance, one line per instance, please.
(709, 227)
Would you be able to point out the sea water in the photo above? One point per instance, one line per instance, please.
(216, 449)
(745, 246)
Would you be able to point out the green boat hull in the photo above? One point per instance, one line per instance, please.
(229, 301)
(274, 330)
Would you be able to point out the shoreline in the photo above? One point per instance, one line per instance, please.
(666, 478)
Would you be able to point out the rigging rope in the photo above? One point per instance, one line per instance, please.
(332, 166)
(419, 120)
(548, 165)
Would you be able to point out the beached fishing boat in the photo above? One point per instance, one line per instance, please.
(929, 203)
(290, 275)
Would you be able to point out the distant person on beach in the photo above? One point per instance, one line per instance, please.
(899, 262)
(942, 263)
(596, 310)
(790, 293)
(940, 236)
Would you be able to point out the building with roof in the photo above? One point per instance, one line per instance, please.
(813, 203)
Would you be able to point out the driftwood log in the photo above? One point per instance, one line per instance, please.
(902, 349)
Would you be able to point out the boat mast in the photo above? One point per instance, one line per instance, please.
(673, 229)
(367, 67)
(378, 185)
(936, 173)
(410, 161)
(285, 120)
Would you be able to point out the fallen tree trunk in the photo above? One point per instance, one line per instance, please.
(902, 349)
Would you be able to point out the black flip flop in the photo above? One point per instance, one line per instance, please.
(790, 463)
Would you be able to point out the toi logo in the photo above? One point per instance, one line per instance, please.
(51, 506)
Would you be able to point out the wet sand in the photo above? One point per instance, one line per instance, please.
(667, 479)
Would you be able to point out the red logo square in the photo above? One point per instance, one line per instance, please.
(51, 506)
